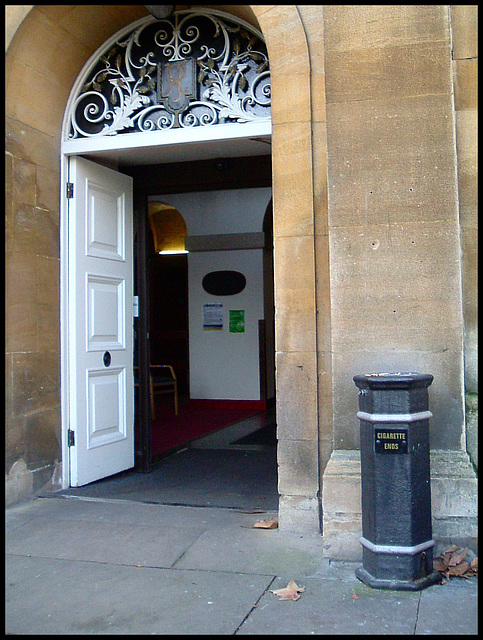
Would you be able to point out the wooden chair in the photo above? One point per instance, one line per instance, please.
(162, 379)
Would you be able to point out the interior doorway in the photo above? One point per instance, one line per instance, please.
(240, 459)
(163, 280)
(235, 466)
(168, 313)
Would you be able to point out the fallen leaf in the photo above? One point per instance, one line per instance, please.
(456, 558)
(459, 569)
(440, 564)
(451, 549)
(451, 563)
(290, 592)
(354, 596)
(266, 524)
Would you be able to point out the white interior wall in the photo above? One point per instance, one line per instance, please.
(224, 365)
(219, 212)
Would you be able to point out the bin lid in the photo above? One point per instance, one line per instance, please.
(395, 380)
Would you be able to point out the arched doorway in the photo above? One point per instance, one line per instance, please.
(298, 111)
(89, 121)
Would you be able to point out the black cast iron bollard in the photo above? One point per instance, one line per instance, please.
(397, 545)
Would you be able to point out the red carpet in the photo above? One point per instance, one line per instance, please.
(195, 419)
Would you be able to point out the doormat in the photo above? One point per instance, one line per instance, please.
(224, 479)
(195, 419)
(265, 436)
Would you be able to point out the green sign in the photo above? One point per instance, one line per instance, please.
(237, 321)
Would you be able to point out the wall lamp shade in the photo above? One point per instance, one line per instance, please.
(160, 11)
(168, 228)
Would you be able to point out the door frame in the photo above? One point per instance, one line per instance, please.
(124, 144)
(141, 330)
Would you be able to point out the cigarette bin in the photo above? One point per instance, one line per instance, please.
(397, 545)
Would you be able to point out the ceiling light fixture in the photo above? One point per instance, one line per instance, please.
(168, 228)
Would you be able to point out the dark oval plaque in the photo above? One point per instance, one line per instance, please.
(224, 283)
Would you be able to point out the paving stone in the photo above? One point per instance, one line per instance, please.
(119, 567)
(144, 545)
(449, 608)
(51, 596)
(327, 607)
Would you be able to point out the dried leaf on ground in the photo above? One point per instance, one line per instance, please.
(440, 564)
(451, 549)
(459, 569)
(451, 563)
(266, 524)
(456, 558)
(290, 592)
(354, 596)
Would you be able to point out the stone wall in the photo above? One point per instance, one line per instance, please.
(374, 183)
(464, 20)
(393, 208)
(401, 168)
(45, 55)
(294, 264)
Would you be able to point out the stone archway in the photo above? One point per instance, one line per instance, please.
(34, 135)
(294, 267)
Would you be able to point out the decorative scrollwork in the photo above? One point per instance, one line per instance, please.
(197, 68)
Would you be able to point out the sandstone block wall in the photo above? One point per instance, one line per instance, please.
(464, 21)
(374, 196)
(396, 299)
(44, 57)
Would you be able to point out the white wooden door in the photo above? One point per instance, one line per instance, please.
(100, 322)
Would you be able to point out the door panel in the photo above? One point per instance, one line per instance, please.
(100, 322)
(106, 312)
(105, 407)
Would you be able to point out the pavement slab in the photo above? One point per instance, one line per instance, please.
(52, 596)
(94, 566)
(449, 608)
(267, 551)
(145, 545)
(131, 512)
(328, 607)
(348, 607)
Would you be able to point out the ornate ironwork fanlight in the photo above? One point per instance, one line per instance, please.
(196, 67)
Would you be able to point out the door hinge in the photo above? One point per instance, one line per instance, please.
(70, 438)
(70, 189)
